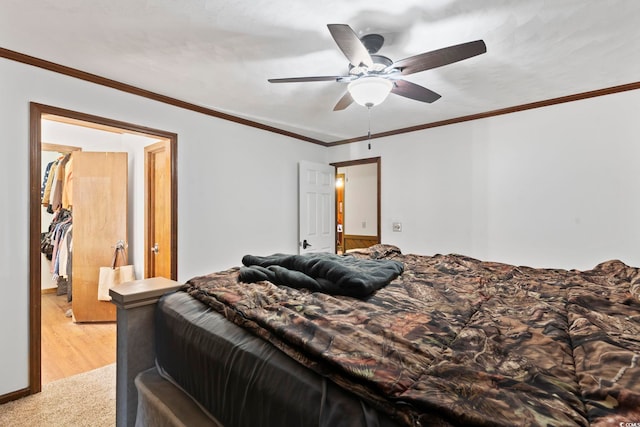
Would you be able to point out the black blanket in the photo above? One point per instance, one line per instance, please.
(322, 272)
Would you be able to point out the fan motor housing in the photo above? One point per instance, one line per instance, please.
(373, 42)
(380, 63)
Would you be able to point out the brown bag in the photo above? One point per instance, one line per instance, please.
(114, 275)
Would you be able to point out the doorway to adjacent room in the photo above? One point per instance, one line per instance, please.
(357, 204)
(157, 180)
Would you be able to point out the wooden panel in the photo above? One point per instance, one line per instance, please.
(99, 222)
(59, 148)
(352, 241)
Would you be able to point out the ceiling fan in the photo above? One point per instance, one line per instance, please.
(371, 76)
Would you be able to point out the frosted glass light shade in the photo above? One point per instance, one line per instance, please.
(369, 91)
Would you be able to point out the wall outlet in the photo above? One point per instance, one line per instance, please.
(397, 226)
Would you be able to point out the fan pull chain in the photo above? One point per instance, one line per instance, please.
(369, 131)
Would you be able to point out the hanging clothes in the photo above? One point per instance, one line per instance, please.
(58, 235)
(69, 262)
(48, 239)
(63, 250)
(58, 184)
(45, 179)
(46, 195)
(67, 188)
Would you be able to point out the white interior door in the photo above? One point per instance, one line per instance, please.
(316, 185)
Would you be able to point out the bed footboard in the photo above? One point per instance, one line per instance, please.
(135, 302)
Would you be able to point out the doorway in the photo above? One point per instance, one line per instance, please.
(157, 210)
(357, 205)
(37, 113)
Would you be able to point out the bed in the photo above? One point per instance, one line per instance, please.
(449, 340)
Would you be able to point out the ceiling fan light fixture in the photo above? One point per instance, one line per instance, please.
(370, 91)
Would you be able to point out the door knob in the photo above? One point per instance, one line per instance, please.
(155, 248)
(305, 244)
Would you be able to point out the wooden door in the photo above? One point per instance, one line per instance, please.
(99, 206)
(158, 210)
(316, 207)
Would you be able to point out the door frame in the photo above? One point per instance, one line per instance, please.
(36, 112)
(150, 200)
(340, 211)
(377, 161)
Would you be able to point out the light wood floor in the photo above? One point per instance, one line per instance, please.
(70, 348)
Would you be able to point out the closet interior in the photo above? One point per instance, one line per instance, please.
(57, 222)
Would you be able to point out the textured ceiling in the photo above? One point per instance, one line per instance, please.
(219, 54)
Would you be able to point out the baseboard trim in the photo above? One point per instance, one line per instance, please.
(18, 394)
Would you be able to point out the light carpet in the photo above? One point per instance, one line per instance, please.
(87, 399)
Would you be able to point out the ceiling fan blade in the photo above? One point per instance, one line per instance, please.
(440, 57)
(344, 102)
(414, 91)
(350, 45)
(305, 79)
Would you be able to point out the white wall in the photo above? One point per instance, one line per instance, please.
(550, 187)
(361, 199)
(237, 189)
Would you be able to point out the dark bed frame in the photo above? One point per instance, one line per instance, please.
(161, 401)
(144, 397)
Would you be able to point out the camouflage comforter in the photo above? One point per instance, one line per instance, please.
(458, 341)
